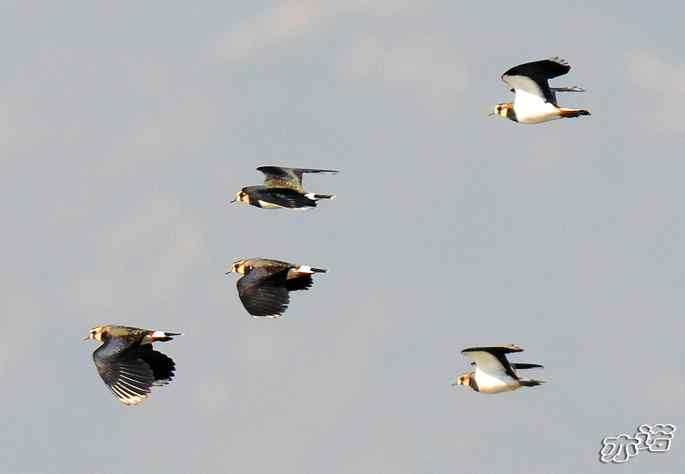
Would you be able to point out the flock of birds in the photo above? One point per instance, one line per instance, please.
(129, 365)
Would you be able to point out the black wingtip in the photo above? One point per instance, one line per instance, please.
(315, 170)
(518, 365)
(302, 170)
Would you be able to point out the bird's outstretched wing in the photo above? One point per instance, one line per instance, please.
(532, 77)
(546, 68)
(281, 177)
(492, 359)
(162, 366)
(127, 375)
(301, 283)
(521, 366)
(263, 291)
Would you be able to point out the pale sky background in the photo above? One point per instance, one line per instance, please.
(126, 128)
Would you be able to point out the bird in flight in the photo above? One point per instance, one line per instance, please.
(534, 100)
(127, 362)
(282, 188)
(494, 373)
(265, 284)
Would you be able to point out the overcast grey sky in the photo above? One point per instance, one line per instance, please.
(125, 129)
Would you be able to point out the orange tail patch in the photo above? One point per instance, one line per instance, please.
(570, 113)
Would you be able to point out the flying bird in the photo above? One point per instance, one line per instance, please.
(534, 100)
(128, 364)
(265, 284)
(494, 373)
(282, 188)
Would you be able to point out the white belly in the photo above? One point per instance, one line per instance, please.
(538, 116)
(490, 384)
(531, 108)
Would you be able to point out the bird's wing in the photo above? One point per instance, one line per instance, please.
(532, 77)
(518, 365)
(547, 68)
(278, 177)
(281, 177)
(492, 359)
(123, 371)
(263, 292)
(300, 283)
(534, 86)
(162, 366)
(285, 197)
(568, 89)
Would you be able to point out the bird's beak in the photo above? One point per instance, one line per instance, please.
(491, 114)
(86, 338)
(232, 200)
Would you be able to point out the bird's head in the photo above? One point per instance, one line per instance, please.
(463, 379)
(241, 196)
(239, 266)
(502, 109)
(97, 333)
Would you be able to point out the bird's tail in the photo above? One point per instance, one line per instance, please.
(308, 269)
(530, 382)
(315, 196)
(569, 113)
(164, 336)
